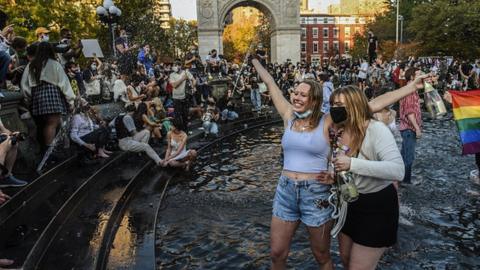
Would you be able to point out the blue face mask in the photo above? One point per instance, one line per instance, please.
(303, 115)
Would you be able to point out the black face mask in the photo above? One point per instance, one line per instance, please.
(339, 114)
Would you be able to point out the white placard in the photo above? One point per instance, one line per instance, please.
(91, 47)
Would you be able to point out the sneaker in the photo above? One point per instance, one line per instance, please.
(11, 181)
(474, 176)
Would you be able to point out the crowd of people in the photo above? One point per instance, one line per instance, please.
(331, 105)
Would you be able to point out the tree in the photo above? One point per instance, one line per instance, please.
(248, 24)
(446, 27)
(359, 49)
(76, 15)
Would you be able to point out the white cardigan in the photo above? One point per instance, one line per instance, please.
(52, 73)
(379, 162)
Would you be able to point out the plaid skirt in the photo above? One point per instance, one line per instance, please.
(47, 99)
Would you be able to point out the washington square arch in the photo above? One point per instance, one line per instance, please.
(284, 19)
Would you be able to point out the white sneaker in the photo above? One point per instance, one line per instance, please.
(475, 177)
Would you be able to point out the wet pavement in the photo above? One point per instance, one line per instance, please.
(221, 218)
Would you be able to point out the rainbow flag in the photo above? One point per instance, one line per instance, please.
(466, 109)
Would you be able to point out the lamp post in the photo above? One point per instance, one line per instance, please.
(109, 14)
(400, 17)
(397, 17)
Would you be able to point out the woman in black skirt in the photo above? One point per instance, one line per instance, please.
(374, 162)
(48, 89)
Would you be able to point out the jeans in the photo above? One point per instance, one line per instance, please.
(229, 115)
(210, 127)
(305, 200)
(409, 140)
(256, 99)
(4, 62)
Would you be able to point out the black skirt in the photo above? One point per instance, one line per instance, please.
(372, 220)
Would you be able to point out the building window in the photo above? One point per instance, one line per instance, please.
(315, 47)
(325, 21)
(335, 32)
(303, 20)
(315, 32)
(304, 32)
(335, 46)
(303, 46)
(347, 46)
(325, 32)
(357, 20)
(325, 47)
(347, 31)
(315, 60)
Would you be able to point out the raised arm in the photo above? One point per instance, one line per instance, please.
(389, 98)
(283, 107)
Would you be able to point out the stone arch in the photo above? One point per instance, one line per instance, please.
(284, 16)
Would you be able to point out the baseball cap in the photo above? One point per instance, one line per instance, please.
(41, 30)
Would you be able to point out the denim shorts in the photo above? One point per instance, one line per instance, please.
(306, 201)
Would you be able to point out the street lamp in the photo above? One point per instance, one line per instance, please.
(400, 18)
(109, 14)
(397, 17)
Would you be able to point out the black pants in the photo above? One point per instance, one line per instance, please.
(99, 137)
(477, 159)
(181, 110)
(372, 55)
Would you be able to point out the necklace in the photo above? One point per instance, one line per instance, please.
(304, 127)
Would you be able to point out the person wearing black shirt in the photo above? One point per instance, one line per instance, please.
(372, 47)
(126, 60)
(261, 55)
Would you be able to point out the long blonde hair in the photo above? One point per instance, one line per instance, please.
(358, 111)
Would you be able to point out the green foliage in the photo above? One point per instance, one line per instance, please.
(175, 41)
(446, 27)
(359, 49)
(76, 15)
(440, 27)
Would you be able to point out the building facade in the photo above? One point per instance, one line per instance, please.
(163, 12)
(326, 35)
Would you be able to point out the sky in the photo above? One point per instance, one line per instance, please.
(187, 9)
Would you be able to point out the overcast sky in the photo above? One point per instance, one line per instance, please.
(187, 9)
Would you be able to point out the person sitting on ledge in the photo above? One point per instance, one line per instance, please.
(8, 155)
(131, 140)
(177, 155)
(85, 132)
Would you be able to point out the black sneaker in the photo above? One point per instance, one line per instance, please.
(11, 181)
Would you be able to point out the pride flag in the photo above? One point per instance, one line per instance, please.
(466, 109)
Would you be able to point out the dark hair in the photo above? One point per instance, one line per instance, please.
(19, 43)
(44, 53)
(141, 110)
(324, 77)
(69, 65)
(32, 50)
(177, 122)
(3, 19)
(410, 73)
(64, 31)
(130, 108)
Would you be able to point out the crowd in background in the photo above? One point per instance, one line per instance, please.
(56, 81)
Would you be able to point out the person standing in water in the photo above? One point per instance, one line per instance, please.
(304, 185)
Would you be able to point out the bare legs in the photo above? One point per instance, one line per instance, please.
(358, 257)
(52, 121)
(281, 234)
